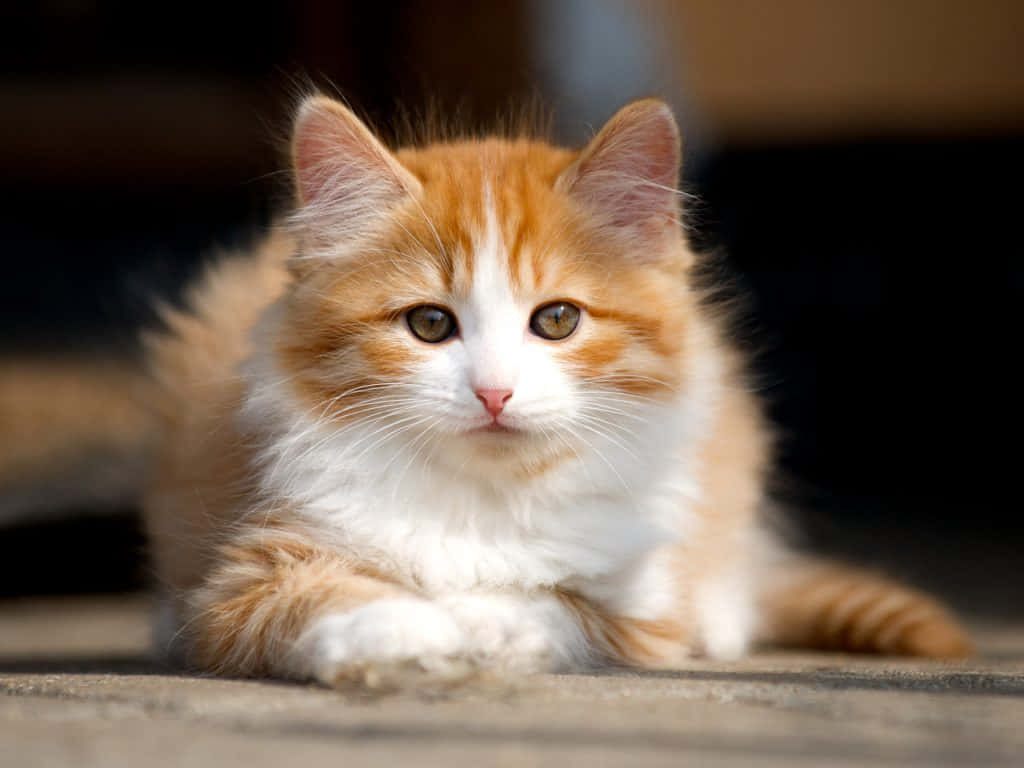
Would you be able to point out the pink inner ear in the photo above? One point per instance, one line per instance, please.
(336, 157)
(313, 151)
(629, 172)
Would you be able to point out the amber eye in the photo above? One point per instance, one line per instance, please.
(431, 324)
(555, 321)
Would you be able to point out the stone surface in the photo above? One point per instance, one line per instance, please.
(81, 692)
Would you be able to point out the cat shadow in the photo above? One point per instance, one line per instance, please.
(940, 681)
(129, 664)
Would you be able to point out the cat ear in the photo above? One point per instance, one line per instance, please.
(628, 175)
(346, 180)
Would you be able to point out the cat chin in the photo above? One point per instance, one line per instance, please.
(499, 430)
(515, 451)
(503, 442)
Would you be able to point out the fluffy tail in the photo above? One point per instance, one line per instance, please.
(825, 605)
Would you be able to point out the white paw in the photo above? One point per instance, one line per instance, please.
(505, 633)
(725, 616)
(396, 634)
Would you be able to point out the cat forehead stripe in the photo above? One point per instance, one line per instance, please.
(490, 279)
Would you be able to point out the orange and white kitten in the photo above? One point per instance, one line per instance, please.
(467, 409)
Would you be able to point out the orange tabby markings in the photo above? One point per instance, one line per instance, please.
(834, 607)
(624, 640)
(268, 585)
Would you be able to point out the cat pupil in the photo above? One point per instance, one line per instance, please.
(555, 321)
(431, 324)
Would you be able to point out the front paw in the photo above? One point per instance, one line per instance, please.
(508, 634)
(383, 645)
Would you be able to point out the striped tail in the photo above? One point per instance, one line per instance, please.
(829, 606)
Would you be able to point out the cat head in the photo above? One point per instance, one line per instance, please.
(500, 302)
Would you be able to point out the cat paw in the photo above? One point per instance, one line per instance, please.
(501, 633)
(384, 645)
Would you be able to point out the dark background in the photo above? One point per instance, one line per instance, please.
(857, 169)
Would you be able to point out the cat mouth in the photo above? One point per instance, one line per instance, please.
(494, 428)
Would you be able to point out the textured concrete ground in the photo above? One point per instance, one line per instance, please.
(80, 692)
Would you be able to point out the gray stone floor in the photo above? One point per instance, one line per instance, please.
(80, 692)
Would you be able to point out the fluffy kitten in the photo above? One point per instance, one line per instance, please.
(467, 409)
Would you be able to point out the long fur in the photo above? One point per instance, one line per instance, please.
(326, 505)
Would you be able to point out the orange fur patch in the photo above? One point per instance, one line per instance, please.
(269, 584)
(624, 640)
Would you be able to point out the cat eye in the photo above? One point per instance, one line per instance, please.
(555, 321)
(431, 324)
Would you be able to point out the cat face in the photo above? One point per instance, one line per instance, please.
(490, 300)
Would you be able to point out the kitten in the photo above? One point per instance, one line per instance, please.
(468, 410)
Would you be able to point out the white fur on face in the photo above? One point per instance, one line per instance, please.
(496, 350)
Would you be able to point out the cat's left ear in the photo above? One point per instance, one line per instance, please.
(628, 175)
(346, 180)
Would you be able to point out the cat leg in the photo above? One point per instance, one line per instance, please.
(724, 611)
(632, 616)
(618, 638)
(278, 605)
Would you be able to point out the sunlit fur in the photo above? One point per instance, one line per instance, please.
(329, 505)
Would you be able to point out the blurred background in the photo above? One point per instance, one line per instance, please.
(857, 166)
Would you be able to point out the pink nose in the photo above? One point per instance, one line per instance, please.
(493, 399)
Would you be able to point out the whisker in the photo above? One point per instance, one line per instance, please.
(600, 455)
(423, 438)
(610, 438)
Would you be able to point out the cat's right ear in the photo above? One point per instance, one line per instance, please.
(346, 180)
(628, 177)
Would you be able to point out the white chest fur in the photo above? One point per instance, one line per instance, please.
(446, 533)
